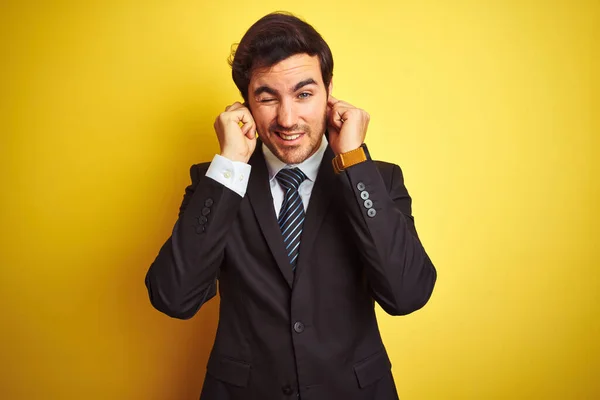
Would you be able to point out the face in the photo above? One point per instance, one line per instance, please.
(289, 103)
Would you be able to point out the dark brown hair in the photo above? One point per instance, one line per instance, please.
(274, 38)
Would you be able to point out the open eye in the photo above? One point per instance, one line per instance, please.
(304, 95)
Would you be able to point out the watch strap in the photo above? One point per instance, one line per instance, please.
(350, 158)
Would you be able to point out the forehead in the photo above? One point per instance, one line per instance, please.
(288, 72)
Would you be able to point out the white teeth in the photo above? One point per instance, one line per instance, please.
(289, 137)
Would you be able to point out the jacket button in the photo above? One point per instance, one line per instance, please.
(299, 327)
(287, 389)
(208, 202)
(360, 186)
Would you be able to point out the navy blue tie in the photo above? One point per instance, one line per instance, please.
(291, 215)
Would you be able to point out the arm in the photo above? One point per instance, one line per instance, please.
(400, 274)
(183, 275)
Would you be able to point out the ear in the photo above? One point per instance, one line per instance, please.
(330, 88)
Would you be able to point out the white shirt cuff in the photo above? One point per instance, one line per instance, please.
(234, 175)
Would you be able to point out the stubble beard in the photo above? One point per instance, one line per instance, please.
(299, 153)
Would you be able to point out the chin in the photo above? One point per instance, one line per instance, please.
(293, 157)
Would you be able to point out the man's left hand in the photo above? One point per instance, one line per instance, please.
(346, 124)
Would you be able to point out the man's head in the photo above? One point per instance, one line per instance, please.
(283, 69)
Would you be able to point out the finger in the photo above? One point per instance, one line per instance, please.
(251, 134)
(248, 129)
(338, 105)
(234, 106)
(333, 108)
(243, 115)
(247, 124)
(332, 129)
(335, 120)
(236, 116)
(338, 111)
(331, 101)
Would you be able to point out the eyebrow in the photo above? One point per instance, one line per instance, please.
(298, 86)
(309, 81)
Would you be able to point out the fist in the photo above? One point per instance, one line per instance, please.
(236, 131)
(346, 124)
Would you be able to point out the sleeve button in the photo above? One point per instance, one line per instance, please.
(208, 202)
(360, 186)
(371, 212)
(205, 211)
(364, 195)
(368, 204)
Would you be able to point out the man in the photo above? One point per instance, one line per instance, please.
(302, 230)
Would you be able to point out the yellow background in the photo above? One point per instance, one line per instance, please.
(490, 107)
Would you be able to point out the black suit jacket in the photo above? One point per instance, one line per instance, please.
(312, 334)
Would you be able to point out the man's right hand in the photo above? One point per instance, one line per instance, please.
(237, 142)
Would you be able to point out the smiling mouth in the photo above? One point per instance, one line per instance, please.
(289, 137)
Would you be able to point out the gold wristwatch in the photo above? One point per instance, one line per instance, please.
(350, 158)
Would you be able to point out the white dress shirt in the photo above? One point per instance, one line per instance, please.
(235, 175)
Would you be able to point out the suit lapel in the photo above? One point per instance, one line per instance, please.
(259, 194)
(317, 208)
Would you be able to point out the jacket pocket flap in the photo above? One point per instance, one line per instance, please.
(228, 370)
(372, 368)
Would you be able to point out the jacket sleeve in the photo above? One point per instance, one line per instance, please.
(399, 272)
(183, 276)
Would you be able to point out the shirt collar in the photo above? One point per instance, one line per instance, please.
(310, 166)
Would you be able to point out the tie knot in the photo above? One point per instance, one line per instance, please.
(290, 178)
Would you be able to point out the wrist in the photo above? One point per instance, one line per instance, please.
(234, 157)
(347, 159)
(340, 149)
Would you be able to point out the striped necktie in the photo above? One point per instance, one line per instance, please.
(291, 215)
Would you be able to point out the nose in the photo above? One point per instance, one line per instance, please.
(286, 115)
